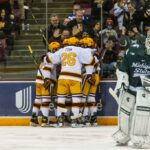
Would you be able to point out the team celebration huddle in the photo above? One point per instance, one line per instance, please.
(67, 78)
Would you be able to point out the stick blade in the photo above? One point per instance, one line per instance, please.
(30, 49)
(64, 110)
(76, 116)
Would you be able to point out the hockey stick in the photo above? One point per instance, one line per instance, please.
(37, 66)
(76, 116)
(41, 31)
(34, 59)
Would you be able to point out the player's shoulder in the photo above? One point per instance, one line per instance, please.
(72, 49)
(136, 50)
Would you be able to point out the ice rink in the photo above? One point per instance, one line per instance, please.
(37, 138)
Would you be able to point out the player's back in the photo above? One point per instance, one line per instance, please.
(72, 58)
(45, 70)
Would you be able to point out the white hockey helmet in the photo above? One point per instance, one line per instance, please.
(147, 45)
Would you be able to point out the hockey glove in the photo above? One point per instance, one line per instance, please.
(97, 54)
(91, 79)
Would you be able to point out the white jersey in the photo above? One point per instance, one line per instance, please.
(47, 70)
(96, 65)
(72, 58)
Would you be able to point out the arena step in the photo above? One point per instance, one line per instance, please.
(20, 64)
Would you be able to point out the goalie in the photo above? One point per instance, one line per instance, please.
(133, 88)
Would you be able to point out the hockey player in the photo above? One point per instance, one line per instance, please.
(45, 81)
(89, 87)
(71, 58)
(133, 101)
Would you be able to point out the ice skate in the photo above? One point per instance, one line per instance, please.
(74, 123)
(60, 121)
(34, 120)
(53, 124)
(87, 121)
(93, 121)
(45, 122)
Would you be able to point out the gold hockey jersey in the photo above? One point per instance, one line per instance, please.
(72, 58)
(47, 70)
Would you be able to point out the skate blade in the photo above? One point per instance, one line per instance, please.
(33, 124)
(45, 125)
(54, 125)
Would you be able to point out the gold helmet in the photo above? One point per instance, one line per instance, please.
(73, 41)
(81, 41)
(66, 42)
(87, 41)
(53, 46)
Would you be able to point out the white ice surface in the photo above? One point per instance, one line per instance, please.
(37, 138)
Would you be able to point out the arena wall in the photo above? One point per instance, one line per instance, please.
(16, 100)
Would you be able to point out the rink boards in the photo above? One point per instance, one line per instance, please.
(16, 100)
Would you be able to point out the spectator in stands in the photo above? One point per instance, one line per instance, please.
(85, 33)
(65, 22)
(104, 6)
(108, 9)
(109, 58)
(120, 58)
(139, 4)
(85, 5)
(133, 36)
(96, 33)
(54, 29)
(21, 7)
(124, 40)
(16, 23)
(139, 17)
(108, 31)
(96, 9)
(19, 10)
(72, 16)
(120, 8)
(129, 15)
(5, 4)
(78, 25)
(7, 27)
(65, 34)
(146, 18)
(124, 44)
(76, 7)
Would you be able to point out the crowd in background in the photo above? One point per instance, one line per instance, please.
(12, 16)
(108, 22)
